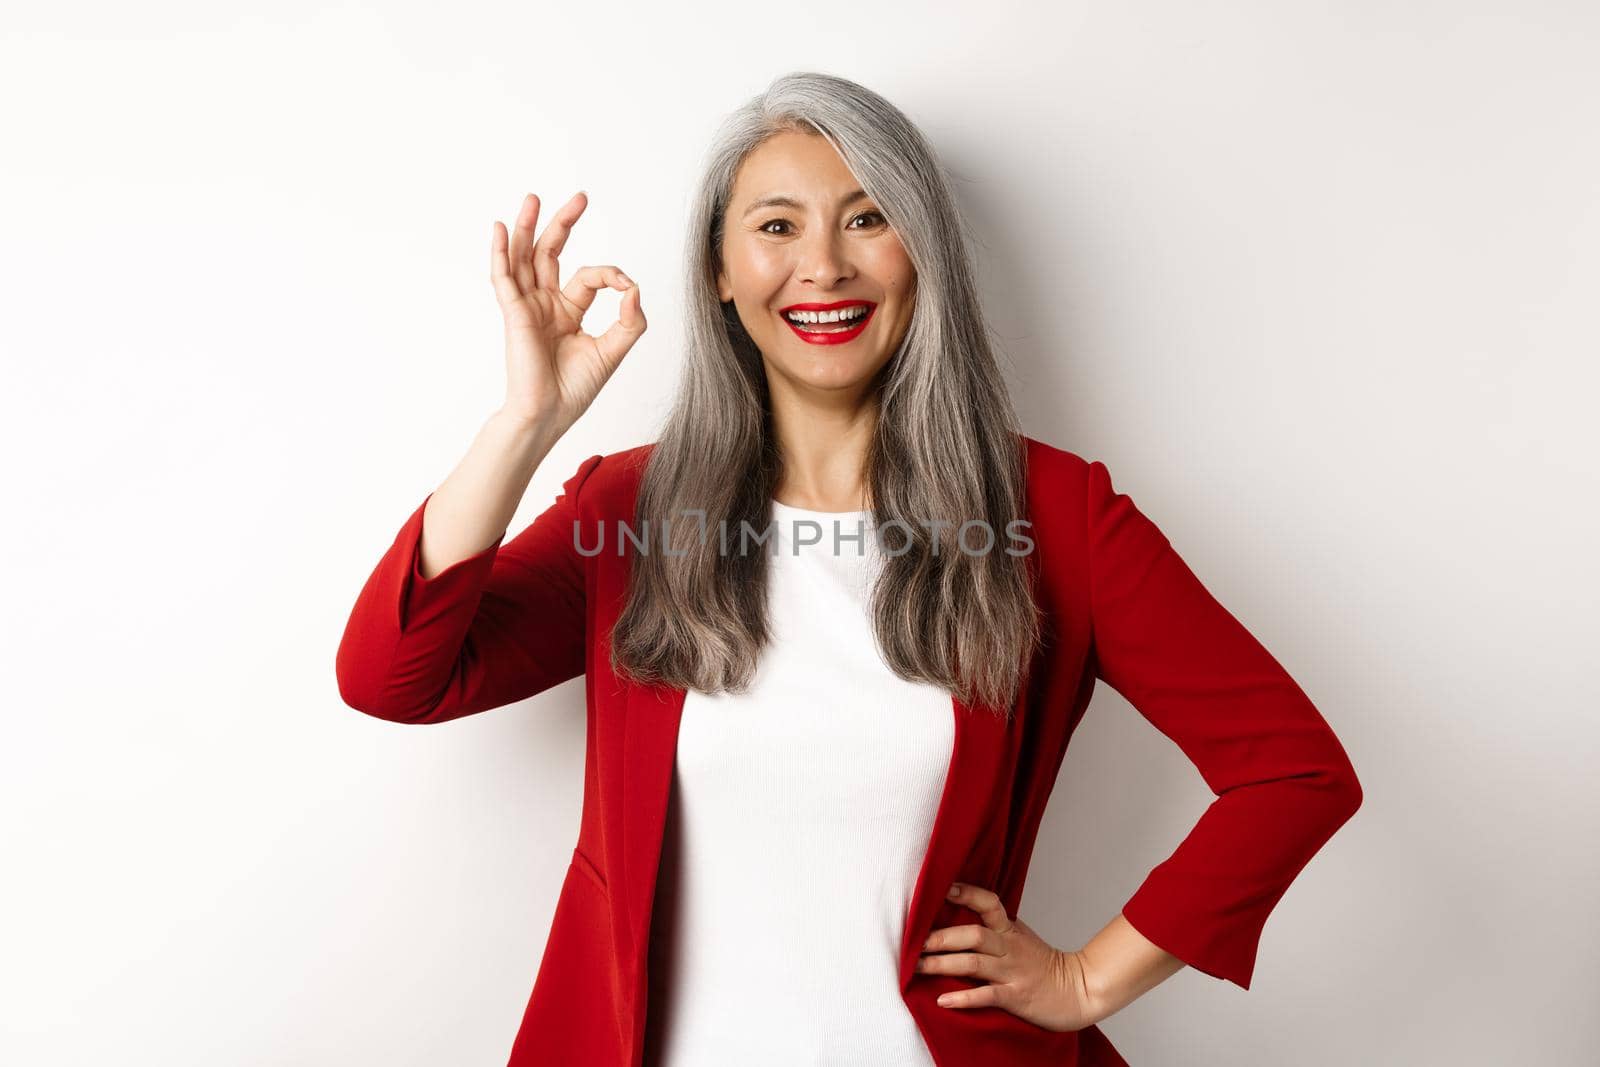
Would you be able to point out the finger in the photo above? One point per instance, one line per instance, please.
(967, 964)
(972, 936)
(547, 249)
(630, 325)
(580, 291)
(522, 243)
(505, 287)
(985, 903)
(984, 996)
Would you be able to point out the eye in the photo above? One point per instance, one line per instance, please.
(864, 215)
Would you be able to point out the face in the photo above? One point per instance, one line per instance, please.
(826, 245)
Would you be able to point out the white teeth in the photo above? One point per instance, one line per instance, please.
(820, 317)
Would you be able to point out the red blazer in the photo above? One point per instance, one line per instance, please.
(1121, 606)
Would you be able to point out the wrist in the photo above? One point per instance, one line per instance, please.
(538, 430)
(1098, 994)
(519, 442)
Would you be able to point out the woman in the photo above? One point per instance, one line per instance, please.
(816, 769)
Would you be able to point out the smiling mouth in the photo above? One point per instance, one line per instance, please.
(834, 324)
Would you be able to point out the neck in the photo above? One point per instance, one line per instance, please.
(824, 452)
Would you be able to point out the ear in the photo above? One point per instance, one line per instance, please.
(724, 289)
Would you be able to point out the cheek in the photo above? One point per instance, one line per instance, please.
(896, 271)
(757, 269)
(769, 268)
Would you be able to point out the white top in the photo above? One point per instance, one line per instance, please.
(803, 810)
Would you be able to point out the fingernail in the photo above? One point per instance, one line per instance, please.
(944, 999)
(955, 890)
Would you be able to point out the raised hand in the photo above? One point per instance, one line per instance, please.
(1025, 975)
(554, 370)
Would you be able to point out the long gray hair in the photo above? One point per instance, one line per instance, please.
(946, 445)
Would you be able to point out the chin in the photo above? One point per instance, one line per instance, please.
(821, 373)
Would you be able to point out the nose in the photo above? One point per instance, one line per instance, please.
(823, 259)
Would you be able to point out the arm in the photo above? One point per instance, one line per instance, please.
(452, 623)
(437, 633)
(1283, 782)
(474, 505)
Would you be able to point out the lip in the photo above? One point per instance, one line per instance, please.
(838, 338)
(835, 306)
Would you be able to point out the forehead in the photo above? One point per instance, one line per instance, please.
(800, 165)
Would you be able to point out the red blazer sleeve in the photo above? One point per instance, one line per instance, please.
(1282, 780)
(488, 630)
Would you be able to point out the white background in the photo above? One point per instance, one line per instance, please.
(1316, 281)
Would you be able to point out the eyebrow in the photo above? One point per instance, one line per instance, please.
(780, 200)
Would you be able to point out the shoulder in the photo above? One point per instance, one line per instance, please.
(1072, 501)
(608, 483)
(1057, 479)
(1058, 476)
(1046, 460)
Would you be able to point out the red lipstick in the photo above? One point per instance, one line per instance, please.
(835, 337)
